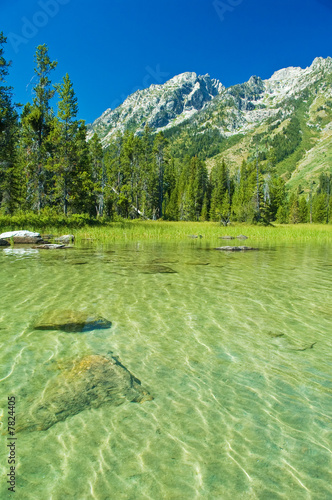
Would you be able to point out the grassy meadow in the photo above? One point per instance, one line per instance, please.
(102, 230)
(177, 231)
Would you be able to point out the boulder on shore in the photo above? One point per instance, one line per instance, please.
(227, 237)
(235, 249)
(91, 382)
(66, 238)
(71, 321)
(242, 237)
(22, 237)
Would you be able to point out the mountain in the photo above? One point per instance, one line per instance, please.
(159, 106)
(286, 120)
(289, 123)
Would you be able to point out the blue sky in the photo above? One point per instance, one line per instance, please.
(110, 48)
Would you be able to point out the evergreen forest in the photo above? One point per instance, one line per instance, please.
(50, 164)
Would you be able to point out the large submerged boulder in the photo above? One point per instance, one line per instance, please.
(22, 237)
(4, 243)
(71, 321)
(90, 382)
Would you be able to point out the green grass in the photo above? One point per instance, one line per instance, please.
(177, 231)
(138, 230)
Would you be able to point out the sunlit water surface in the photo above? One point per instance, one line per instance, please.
(235, 348)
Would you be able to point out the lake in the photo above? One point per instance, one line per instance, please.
(235, 349)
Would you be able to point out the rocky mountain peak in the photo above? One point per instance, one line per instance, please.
(286, 73)
(321, 63)
(182, 78)
(159, 106)
(189, 97)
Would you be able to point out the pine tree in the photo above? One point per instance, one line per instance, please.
(37, 123)
(112, 165)
(303, 210)
(294, 211)
(277, 196)
(128, 165)
(244, 201)
(98, 172)
(321, 201)
(82, 196)
(221, 195)
(149, 179)
(64, 132)
(319, 208)
(160, 159)
(205, 209)
(9, 166)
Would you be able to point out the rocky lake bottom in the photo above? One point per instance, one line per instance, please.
(167, 371)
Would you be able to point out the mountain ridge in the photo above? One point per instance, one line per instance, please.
(166, 105)
(285, 115)
(158, 105)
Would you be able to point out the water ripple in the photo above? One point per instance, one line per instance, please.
(236, 350)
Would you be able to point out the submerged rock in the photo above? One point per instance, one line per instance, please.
(164, 261)
(50, 246)
(275, 335)
(155, 269)
(71, 321)
(91, 382)
(305, 347)
(4, 243)
(236, 249)
(197, 263)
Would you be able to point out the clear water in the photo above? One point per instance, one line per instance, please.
(243, 399)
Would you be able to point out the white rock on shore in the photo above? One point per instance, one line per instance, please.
(19, 234)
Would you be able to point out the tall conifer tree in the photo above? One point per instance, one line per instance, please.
(9, 173)
(66, 130)
(37, 122)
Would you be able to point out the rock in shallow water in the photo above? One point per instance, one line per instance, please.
(50, 246)
(156, 268)
(90, 383)
(235, 249)
(71, 321)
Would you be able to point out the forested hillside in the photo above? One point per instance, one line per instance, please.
(264, 172)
